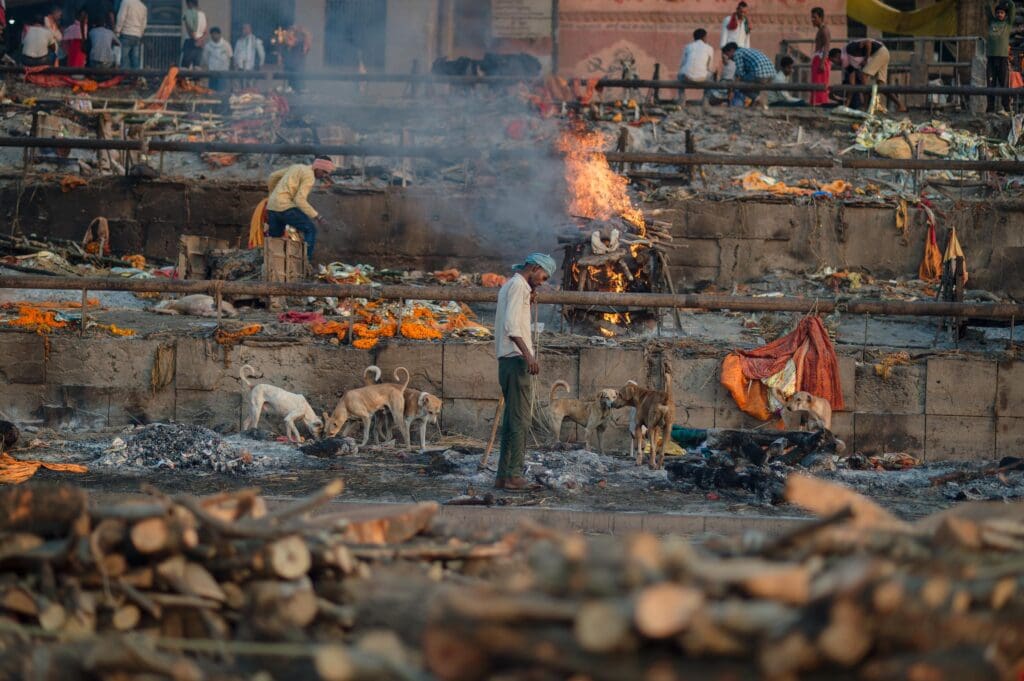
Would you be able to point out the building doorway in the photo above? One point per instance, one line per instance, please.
(356, 32)
(266, 16)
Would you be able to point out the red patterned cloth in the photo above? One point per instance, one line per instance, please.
(301, 318)
(820, 371)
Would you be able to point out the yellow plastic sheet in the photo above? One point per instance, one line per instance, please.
(939, 19)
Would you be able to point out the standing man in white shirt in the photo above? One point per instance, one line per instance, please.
(217, 57)
(517, 365)
(249, 54)
(736, 28)
(131, 26)
(697, 62)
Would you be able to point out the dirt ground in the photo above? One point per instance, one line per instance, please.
(565, 477)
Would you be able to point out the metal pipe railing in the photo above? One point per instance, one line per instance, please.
(816, 162)
(693, 301)
(811, 87)
(338, 76)
(409, 78)
(444, 153)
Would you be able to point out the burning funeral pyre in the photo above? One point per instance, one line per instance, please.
(609, 246)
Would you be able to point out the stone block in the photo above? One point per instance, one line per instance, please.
(770, 221)
(471, 372)
(696, 253)
(960, 438)
(100, 362)
(86, 406)
(560, 367)
(202, 364)
(848, 381)
(694, 417)
(1010, 392)
(22, 402)
(22, 359)
(880, 433)
(863, 229)
(610, 367)
(220, 411)
(696, 382)
(425, 362)
(139, 407)
(709, 221)
(728, 415)
(687, 276)
(961, 387)
(902, 393)
(842, 428)
(1009, 436)
(469, 417)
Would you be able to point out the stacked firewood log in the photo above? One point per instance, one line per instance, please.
(855, 594)
(197, 582)
(223, 587)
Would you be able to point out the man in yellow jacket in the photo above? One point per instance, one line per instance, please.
(289, 200)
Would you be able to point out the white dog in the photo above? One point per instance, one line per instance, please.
(290, 406)
(198, 305)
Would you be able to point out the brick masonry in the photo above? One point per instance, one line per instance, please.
(942, 408)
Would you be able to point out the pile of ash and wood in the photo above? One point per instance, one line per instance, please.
(614, 256)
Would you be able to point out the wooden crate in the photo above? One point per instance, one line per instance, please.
(192, 252)
(283, 260)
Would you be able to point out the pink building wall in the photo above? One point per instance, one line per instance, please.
(596, 35)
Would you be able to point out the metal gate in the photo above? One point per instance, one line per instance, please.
(161, 46)
(265, 16)
(356, 29)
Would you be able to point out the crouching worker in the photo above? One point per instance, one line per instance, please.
(289, 200)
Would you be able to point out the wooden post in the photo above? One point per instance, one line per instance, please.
(494, 432)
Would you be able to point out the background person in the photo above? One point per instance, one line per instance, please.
(736, 28)
(820, 67)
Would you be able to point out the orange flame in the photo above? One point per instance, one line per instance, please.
(595, 191)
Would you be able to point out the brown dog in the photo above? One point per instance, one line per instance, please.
(364, 402)
(655, 411)
(804, 411)
(419, 406)
(594, 414)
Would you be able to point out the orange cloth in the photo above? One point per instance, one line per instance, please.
(233, 337)
(1016, 80)
(818, 372)
(931, 263)
(15, 472)
(160, 97)
(750, 396)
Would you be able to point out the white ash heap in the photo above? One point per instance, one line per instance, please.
(174, 446)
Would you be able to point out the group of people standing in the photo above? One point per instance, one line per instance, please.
(99, 37)
(96, 36)
(863, 62)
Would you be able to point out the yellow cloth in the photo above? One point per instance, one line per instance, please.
(938, 19)
(289, 188)
(256, 225)
(953, 250)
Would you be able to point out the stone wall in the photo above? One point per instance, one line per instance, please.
(940, 408)
(723, 242)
